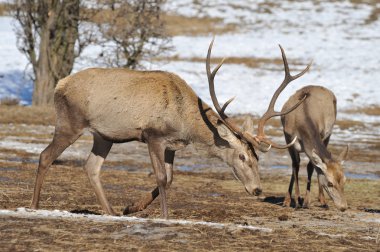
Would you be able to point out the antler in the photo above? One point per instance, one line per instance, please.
(247, 136)
(220, 110)
(260, 137)
(224, 118)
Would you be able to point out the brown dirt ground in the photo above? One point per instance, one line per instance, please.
(201, 196)
(215, 197)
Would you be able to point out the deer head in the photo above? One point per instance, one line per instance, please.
(331, 177)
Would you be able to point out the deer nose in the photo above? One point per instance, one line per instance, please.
(342, 208)
(257, 191)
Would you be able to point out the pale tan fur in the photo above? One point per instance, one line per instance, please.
(155, 107)
(312, 122)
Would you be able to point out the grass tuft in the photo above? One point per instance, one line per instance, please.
(27, 115)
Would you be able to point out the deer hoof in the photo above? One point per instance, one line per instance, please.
(286, 202)
(127, 210)
(131, 209)
(305, 205)
(325, 206)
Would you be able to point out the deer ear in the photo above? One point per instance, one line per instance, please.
(225, 133)
(317, 161)
(343, 155)
(248, 124)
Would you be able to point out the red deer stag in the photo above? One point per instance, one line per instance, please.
(154, 107)
(312, 123)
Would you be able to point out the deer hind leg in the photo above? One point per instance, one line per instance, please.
(294, 178)
(63, 138)
(93, 165)
(307, 200)
(148, 199)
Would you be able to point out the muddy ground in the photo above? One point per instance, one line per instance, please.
(203, 190)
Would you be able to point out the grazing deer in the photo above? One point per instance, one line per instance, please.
(312, 123)
(157, 108)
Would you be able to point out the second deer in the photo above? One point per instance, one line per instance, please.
(312, 123)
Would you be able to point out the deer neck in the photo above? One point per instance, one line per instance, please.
(206, 137)
(312, 140)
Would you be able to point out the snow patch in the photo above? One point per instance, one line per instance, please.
(29, 213)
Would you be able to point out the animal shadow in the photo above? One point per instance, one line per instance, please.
(371, 210)
(280, 201)
(84, 211)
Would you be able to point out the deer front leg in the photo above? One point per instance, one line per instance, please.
(321, 196)
(93, 165)
(61, 140)
(297, 197)
(148, 199)
(157, 155)
(307, 200)
(295, 167)
(288, 197)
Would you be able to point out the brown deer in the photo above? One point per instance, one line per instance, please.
(312, 123)
(157, 108)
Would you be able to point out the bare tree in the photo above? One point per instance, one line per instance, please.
(131, 31)
(48, 34)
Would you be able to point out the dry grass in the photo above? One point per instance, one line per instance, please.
(264, 63)
(193, 26)
(27, 115)
(374, 16)
(369, 2)
(347, 124)
(174, 24)
(7, 101)
(4, 9)
(373, 110)
(215, 197)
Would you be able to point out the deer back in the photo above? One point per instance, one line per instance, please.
(313, 120)
(120, 102)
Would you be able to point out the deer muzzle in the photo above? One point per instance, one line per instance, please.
(256, 191)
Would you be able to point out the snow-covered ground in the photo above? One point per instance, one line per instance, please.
(338, 36)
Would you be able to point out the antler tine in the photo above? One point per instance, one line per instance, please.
(287, 71)
(211, 77)
(227, 103)
(271, 112)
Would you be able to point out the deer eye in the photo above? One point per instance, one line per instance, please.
(329, 184)
(242, 157)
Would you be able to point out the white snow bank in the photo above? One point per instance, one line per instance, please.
(29, 213)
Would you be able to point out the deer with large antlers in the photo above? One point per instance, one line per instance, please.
(312, 123)
(154, 107)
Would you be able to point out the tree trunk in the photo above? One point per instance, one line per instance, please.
(58, 36)
(45, 81)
